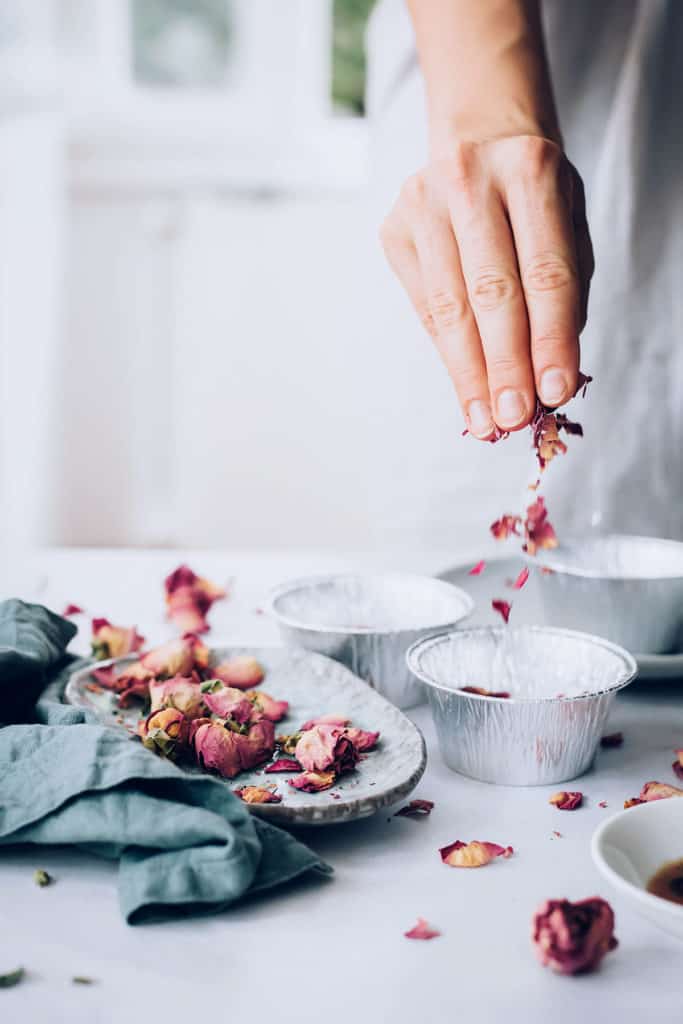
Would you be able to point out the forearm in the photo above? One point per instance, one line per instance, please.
(485, 70)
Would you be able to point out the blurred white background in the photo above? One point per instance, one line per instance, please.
(200, 343)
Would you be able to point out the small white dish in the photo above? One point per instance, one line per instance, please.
(630, 847)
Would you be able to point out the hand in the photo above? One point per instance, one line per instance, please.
(492, 246)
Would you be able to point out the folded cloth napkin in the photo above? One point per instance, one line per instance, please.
(183, 842)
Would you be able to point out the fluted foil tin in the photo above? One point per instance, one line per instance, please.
(368, 622)
(628, 589)
(549, 735)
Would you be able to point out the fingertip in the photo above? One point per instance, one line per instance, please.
(514, 409)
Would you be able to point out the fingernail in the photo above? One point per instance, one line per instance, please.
(479, 418)
(553, 387)
(511, 408)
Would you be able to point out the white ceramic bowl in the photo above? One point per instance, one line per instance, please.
(631, 846)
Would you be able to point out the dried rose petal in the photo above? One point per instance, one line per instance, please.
(257, 795)
(603, 803)
(572, 938)
(227, 702)
(362, 739)
(501, 694)
(166, 732)
(180, 692)
(613, 739)
(422, 931)
(546, 438)
(415, 809)
(114, 641)
(521, 579)
(72, 609)
(284, 764)
(506, 526)
(242, 672)
(189, 598)
(565, 801)
(178, 657)
(633, 802)
(584, 381)
(502, 607)
(330, 719)
(325, 747)
(265, 706)
(228, 753)
(678, 764)
(538, 531)
(658, 791)
(136, 689)
(312, 782)
(472, 855)
(477, 569)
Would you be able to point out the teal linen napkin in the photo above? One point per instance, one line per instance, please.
(183, 842)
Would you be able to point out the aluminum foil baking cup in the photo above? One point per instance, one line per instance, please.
(368, 622)
(561, 684)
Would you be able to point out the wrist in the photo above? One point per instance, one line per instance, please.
(448, 130)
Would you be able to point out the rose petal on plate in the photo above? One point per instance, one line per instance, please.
(243, 672)
(330, 719)
(179, 657)
(283, 764)
(572, 938)
(312, 782)
(502, 607)
(566, 801)
(477, 569)
(475, 854)
(265, 706)
(613, 739)
(228, 702)
(257, 795)
(421, 930)
(182, 692)
(324, 747)
(362, 739)
(110, 641)
(482, 692)
(415, 809)
(72, 609)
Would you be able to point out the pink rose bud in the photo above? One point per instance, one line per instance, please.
(114, 641)
(325, 747)
(572, 938)
(180, 692)
(165, 732)
(226, 701)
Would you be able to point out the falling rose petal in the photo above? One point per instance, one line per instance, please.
(110, 641)
(477, 569)
(501, 694)
(422, 931)
(72, 609)
(613, 739)
(521, 579)
(475, 854)
(416, 809)
(283, 764)
(558, 835)
(313, 782)
(257, 795)
(189, 598)
(565, 801)
(572, 938)
(506, 526)
(538, 531)
(502, 607)
(331, 719)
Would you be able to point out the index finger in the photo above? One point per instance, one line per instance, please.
(541, 223)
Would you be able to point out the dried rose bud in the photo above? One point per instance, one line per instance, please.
(257, 795)
(265, 706)
(325, 747)
(227, 702)
(114, 641)
(287, 743)
(283, 764)
(422, 931)
(228, 753)
(362, 739)
(472, 855)
(165, 732)
(614, 739)
(178, 657)
(477, 569)
(501, 694)
(330, 719)
(503, 608)
(312, 782)
(572, 938)
(242, 672)
(181, 692)
(134, 690)
(566, 801)
(416, 809)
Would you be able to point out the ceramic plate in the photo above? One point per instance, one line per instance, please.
(529, 609)
(313, 685)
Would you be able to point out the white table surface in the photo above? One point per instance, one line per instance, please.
(334, 951)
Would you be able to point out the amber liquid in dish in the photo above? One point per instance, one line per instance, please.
(668, 882)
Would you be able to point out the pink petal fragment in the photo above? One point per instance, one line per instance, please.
(658, 791)
(506, 526)
(565, 801)
(613, 739)
(331, 719)
(265, 706)
(72, 609)
(283, 764)
(242, 672)
(538, 531)
(416, 809)
(422, 931)
(475, 854)
(502, 607)
(572, 938)
(477, 569)
(257, 795)
(312, 782)
(521, 579)
(179, 657)
(362, 739)
(603, 803)
(501, 694)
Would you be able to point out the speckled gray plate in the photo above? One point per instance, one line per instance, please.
(313, 685)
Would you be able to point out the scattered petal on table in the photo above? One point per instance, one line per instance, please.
(603, 803)
(422, 931)
(565, 801)
(472, 855)
(502, 607)
(243, 672)
(257, 795)
(416, 809)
